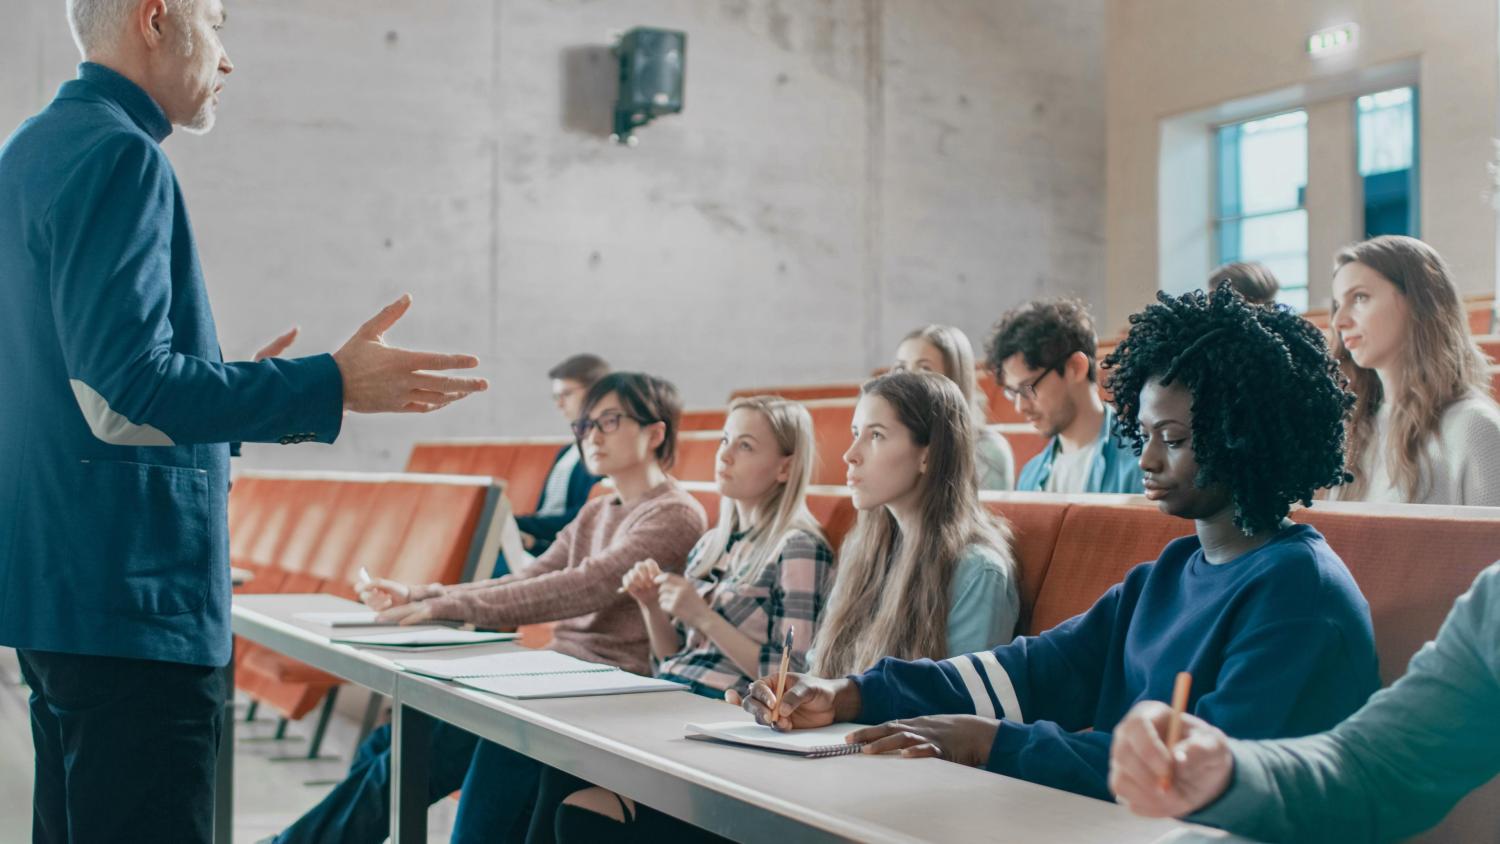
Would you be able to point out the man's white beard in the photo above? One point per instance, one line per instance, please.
(202, 122)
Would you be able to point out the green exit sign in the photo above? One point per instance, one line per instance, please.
(1334, 39)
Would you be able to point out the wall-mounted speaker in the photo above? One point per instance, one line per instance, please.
(651, 78)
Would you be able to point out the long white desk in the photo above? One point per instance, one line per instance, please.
(633, 744)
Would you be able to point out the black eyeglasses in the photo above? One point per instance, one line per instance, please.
(608, 422)
(1026, 391)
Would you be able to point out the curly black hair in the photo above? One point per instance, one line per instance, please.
(1269, 402)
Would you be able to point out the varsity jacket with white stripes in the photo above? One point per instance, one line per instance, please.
(1279, 643)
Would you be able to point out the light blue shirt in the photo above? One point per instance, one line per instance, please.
(1116, 467)
(986, 606)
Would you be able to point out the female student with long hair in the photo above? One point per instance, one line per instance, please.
(627, 431)
(1425, 429)
(926, 571)
(1238, 412)
(763, 570)
(946, 350)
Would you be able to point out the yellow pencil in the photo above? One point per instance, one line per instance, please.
(1174, 726)
(786, 658)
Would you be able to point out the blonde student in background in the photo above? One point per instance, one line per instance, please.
(946, 351)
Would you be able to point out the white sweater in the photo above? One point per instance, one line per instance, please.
(1461, 465)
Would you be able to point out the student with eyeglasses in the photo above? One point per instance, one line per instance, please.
(627, 431)
(1043, 355)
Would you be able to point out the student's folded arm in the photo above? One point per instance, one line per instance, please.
(1398, 765)
(1054, 676)
(577, 590)
(111, 296)
(554, 558)
(546, 527)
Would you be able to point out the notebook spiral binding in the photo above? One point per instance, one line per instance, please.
(834, 750)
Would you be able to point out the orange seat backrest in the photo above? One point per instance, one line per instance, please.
(804, 392)
(1034, 529)
(389, 511)
(1096, 545)
(441, 458)
(697, 455)
(709, 498)
(1490, 345)
(831, 423)
(1481, 317)
(444, 526)
(703, 420)
(1411, 570)
(527, 473)
(490, 459)
(330, 556)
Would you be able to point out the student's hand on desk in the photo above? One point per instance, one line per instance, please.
(809, 702)
(1200, 766)
(640, 582)
(965, 739)
(677, 597)
(384, 379)
(416, 612)
(381, 594)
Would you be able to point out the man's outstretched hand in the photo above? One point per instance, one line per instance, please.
(384, 379)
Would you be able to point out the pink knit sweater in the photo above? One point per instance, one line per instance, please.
(575, 581)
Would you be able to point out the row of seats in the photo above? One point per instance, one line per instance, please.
(298, 532)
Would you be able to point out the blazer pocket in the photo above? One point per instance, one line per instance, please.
(143, 543)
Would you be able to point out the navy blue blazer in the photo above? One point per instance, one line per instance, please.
(118, 407)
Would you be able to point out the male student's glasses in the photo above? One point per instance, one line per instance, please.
(608, 422)
(1027, 391)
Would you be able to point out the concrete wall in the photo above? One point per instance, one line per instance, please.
(1167, 58)
(844, 170)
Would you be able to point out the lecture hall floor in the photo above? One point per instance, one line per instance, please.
(268, 795)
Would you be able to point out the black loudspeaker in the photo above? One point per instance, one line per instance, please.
(651, 74)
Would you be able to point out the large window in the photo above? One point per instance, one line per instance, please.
(1386, 124)
(1260, 212)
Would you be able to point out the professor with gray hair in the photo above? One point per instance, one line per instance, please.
(117, 425)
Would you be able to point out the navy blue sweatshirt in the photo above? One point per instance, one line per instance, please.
(1279, 643)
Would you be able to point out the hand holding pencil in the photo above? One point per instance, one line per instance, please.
(1164, 762)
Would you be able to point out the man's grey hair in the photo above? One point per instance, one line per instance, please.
(97, 24)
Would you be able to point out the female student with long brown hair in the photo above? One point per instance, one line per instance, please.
(1425, 429)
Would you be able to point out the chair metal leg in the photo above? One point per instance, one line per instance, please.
(322, 727)
(372, 712)
(251, 710)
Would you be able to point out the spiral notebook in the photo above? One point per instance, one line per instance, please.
(816, 743)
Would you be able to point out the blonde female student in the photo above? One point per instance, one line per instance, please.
(764, 570)
(1425, 430)
(926, 572)
(946, 350)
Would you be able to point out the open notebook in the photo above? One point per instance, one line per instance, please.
(814, 744)
(510, 664)
(423, 637)
(535, 674)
